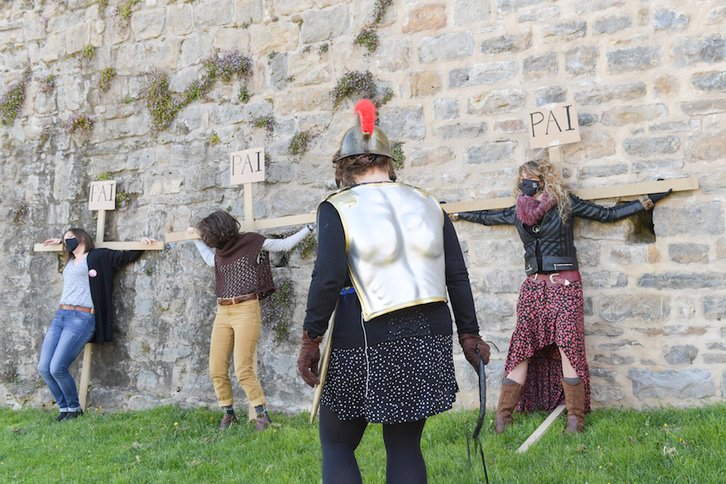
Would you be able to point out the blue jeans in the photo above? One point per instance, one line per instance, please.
(68, 334)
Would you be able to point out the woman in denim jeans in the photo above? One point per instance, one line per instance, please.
(84, 314)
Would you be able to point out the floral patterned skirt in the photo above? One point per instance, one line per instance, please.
(548, 317)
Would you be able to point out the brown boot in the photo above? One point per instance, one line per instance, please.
(227, 421)
(263, 421)
(508, 399)
(575, 403)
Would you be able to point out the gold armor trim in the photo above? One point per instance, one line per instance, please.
(395, 245)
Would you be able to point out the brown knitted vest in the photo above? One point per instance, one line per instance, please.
(241, 267)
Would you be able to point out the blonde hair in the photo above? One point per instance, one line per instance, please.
(553, 184)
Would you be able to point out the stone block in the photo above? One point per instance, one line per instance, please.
(635, 254)
(277, 36)
(597, 5)
(290, 7)
(539, 66)
(604, 279)
(539, 15)
(586, 119)
(425, 83)
(403, 123)
(393, 56)
(601, 171)
(714, 358)
(497, 102)
(507, 43)
(680, 354)
(509, 126)
(665, 19)
(665, 85)
(148, 23)
(624, 115)
(564, 32)
(634, 59)
(688, 253)
(325, 24)
(707, 49)
(431, 156)
(448, 46)
(612, 24)
(425, 17)
(683, 280)
(307, 69)
(593, 145)
(602, 329)
(550, 95)
(668, 167)
(604, 94)
(716, 15)
(721, 248)
(467, 12)
(649, 146)
(614, 359)
(497, 282)
(683, 384)
(685, 308)
(460, 131)
(291, 102)
(445, 109)
(709, 81)
(606, 394)
(635, 307)
(707, 106)
(714, 308)
(699, 219)
(581, 61)
(508, 6)
(487, 73)
(490, 153)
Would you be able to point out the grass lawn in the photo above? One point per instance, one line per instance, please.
(170, 444)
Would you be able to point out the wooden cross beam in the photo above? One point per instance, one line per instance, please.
(99, 243)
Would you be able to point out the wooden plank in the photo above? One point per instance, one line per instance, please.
(323, 369)
(616, 191)
(537, 434)
(100, 226)
(272, 223)
(106, 245)
(85, 375)
(248, 225)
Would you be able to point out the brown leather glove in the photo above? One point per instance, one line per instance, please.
(469, 343)
(309, 358)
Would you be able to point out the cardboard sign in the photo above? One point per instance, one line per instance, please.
(553, 125)
(247, 166)
(102, 195)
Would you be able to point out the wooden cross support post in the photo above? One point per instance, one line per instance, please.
(102, 197)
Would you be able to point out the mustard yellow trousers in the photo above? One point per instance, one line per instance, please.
(236, 331)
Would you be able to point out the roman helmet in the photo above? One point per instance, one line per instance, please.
(366, 138)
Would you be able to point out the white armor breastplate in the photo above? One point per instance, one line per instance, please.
(395, 244)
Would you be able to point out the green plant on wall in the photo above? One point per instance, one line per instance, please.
(300, 143)
(358, 84)
(80, 124)
(123, 13)
(368, 38)
(47, 84)
(277, 310)
(214, 139)
(398, 156)
(164, 108)
(86, 55)
(104, 81)
(21, 213)
(11, 102)
(244, 95)
(267, 122)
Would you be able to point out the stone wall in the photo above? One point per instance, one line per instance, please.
(648, 77)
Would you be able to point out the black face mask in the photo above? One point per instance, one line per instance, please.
(529, 187)
(71, 245)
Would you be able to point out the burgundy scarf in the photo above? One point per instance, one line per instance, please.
(530, 210)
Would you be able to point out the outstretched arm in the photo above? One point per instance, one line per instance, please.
(283, 245)
(505, 216)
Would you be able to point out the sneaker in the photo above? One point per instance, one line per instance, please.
(72, 415)
(61, 416)
(263, 421)
(227, 421)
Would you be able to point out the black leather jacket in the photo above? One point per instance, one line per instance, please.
(550, 246)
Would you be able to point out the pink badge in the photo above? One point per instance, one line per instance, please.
(92, 273)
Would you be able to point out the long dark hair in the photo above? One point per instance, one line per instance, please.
(346, 169)
(83, 238)
(218, 228)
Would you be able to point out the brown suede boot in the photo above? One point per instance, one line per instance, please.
(227, 421)
(508, 399)
(575, 403)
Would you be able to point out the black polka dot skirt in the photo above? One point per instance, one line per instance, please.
(393, 369)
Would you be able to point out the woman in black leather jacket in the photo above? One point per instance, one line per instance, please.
(547, 349)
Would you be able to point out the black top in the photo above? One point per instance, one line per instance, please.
(106, 262)
(549, 246)
(330, 275)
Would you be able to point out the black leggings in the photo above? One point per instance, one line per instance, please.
(340, 438)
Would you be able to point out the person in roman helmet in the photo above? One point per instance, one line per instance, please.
(389, 260)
